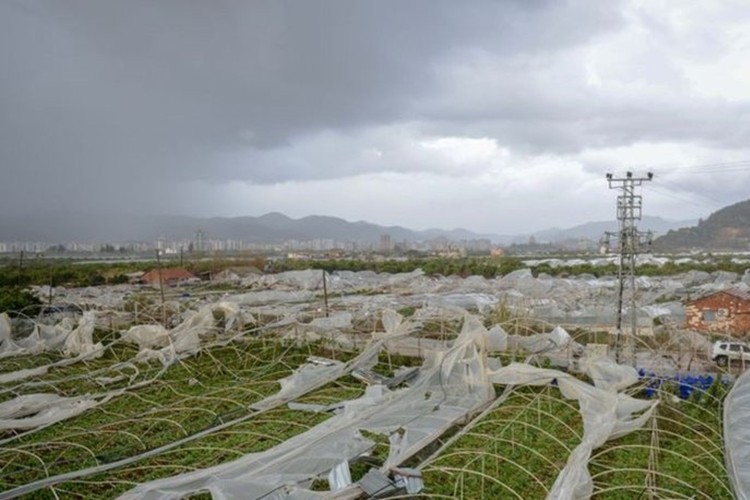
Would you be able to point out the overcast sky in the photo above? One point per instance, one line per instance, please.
(496, 116)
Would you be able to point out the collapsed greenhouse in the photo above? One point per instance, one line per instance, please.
(388, 386)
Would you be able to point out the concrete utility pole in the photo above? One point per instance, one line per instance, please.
(629, 241)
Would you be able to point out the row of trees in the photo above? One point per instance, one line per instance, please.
(24, 274)
(499, 266)
(93, 274)
(469, 266)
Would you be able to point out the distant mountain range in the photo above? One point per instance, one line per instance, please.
(269, 228)
(726, 229)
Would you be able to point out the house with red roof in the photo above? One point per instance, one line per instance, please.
(724, 312)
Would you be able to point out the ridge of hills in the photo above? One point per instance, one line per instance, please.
(725, 229)
(271, 228)
(595, 230)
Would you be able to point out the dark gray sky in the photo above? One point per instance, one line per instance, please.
(497, 116)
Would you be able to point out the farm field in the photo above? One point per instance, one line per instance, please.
(242, 379)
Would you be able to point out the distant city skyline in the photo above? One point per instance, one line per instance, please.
(275, 230)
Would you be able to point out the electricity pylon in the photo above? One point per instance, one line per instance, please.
(629, 242)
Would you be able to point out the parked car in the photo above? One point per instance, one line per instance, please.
(724, 352)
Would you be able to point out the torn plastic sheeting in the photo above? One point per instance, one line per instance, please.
(7, 346)
(305, 377)
(307, 279)
(497, 339)
(257, 475)
(737, 436)
(339, 477)
(54, 335)
(345, 281)
(402, 279)
(459, 301)
(42, 370)
(185, 338)
(393, 322)
(29, 411)
(81, 340)
(314, 408)
(606, 415)
(402, 375)
(416, 347)
(23, 374)
(608, 375)
(166, 355)
(273, 297)
(409, 479)
(229, 316)
(375, 484)
(32, 344)
(314, 374)
(440, 313)
(147, 336)
(541, 342)
(453, 384)
(340, 320)
(5, 328)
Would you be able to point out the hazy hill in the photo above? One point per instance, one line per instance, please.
(269, 228)
(595, 230)
(725, 229)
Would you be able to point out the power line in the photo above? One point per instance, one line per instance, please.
(676, 197)
(685, 197)
(713, 202)
(730, 166)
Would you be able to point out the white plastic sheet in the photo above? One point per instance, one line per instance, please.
(452, 384)
(81, 340)
(33, 410)
(156, 342)
(606, 415)
(737, 436)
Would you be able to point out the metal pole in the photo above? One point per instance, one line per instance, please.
(161, 290)
(49, 298)
(20, 269)
(629, 207)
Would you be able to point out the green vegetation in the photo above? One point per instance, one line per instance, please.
(493, 267)
(16, 300)
(519, 448)
(215, 386)
(725, 229)
(679, 454)
(516, 450)
(488, 267)
(66, 273)
(69, 273)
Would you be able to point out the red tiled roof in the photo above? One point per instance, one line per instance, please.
(740, 294)
(168, 274)
(734, 292)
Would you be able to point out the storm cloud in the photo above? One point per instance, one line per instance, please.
(370, 110)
